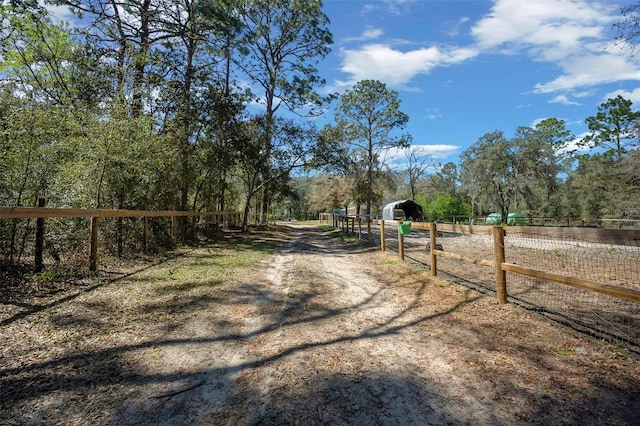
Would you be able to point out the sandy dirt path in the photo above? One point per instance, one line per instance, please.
(335, 333)
(325, 331)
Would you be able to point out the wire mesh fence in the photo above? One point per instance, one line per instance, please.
(590, 256)
(587, 258)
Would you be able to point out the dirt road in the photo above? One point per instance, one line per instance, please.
(324, 332)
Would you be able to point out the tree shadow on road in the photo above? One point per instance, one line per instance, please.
(113, 384)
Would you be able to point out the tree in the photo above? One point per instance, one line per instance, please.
(220, 112)
(418, 163)
(39, 113)
(552, 140)
(520, 173)
(367, 117)
(33, 147)
(129, 34)
(291, 149)
(487, 171)
(539, 155)
(629, 174)
(591, 184)
(444, 180)
(40, 58)
(443, 205)
(614, 127)
(442, 196)
(282, 42)
(328, 192)
(603, 187)
(628, 28)
(344, 164)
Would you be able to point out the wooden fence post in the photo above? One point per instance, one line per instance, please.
(145, 232)
(93, 256)
(174, 229)
(39, 239)
(382, 244)
(369, 236)
(359, 228)
(499, 258)
(400, 244)
(433, 232)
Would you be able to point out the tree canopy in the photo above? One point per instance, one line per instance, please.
(368, 119)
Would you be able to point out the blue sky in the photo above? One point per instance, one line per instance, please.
(464, 68)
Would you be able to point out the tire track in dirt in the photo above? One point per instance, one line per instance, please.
(340, 354)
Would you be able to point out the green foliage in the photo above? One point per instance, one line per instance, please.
(368, 115)
(36, 142)
(613, 128)
(367, 120)
(522, 173)
(564, 351)
(443, 205)
(282, 41)
(488, 172)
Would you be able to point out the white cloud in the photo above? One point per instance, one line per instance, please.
(590, 69)
(60, 13)
(437, 151)
(563, 99)
(562, 24)
(573, 35)
(570, 33)
(397, 7)
(633, 96)
(369, 34)
(583, 94)
(454, 27)
(369, 8)
(574, 145)
(397, 68)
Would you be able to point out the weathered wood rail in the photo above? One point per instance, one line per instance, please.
(41, 213)
(608, 236)
(605, 236)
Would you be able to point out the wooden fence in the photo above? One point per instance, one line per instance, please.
(219, 217)
(609, 236)
(529, 220)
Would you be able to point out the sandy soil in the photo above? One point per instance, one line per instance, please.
(324, 332)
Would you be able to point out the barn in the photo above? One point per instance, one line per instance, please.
(402, 209)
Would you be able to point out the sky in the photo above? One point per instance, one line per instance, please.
(464, 68)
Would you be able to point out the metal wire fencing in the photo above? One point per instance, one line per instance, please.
(603, 257)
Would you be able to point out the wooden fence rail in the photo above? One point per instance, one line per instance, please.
(609, 236)
(36, 212)
(40, 213)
